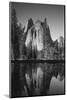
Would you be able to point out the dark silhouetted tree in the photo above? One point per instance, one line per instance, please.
(30, 24)
(15, 33)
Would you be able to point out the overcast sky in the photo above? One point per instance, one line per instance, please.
(53, 13)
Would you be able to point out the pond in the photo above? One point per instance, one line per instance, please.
(37, 78)
(56, 86)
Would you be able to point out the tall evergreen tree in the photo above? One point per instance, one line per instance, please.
(30, 24)
(14, 33)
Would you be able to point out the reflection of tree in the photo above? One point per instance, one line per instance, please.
(43, 80)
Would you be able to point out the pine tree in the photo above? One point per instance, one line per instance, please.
(30, 24)
(14, 33)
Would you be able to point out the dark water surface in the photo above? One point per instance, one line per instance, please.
(37, 79)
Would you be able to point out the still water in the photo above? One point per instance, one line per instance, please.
(37, 79)
(56, 86)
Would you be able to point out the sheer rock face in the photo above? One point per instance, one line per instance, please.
(39, 43)
(35, 37)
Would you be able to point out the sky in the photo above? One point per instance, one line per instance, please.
(53, 13)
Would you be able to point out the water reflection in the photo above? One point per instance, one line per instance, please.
(56, 86)
(33, 79)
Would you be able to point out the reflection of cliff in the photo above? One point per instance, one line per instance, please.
(39, 44)
(30, 79)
